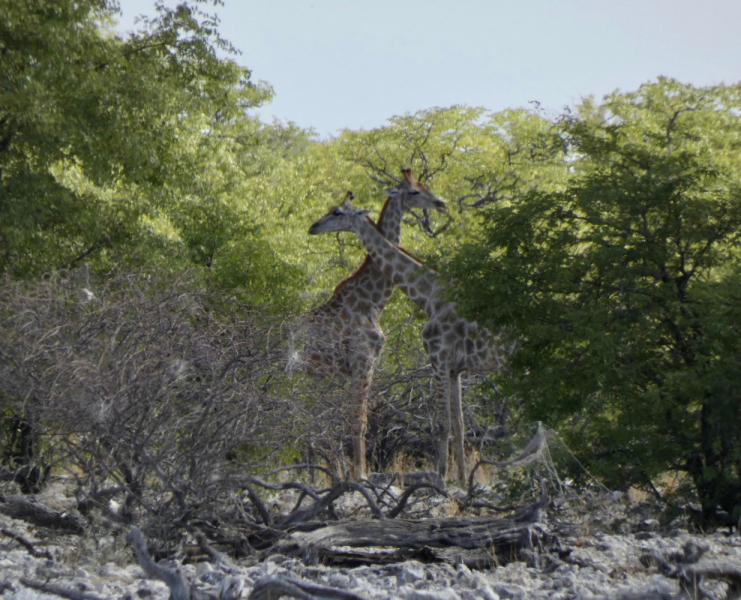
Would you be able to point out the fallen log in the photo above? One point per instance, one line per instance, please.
(29, 509)
(476, 542)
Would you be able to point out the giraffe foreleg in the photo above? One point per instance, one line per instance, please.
(362, 378)
(442, 402)
(456, 410)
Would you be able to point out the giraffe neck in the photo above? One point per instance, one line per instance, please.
(421, 286)
(367, 291)
(389, 219)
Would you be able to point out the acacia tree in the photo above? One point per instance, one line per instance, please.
(624, 287)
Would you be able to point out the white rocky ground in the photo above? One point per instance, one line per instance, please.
(600, 565)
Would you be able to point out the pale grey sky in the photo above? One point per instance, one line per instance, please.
(352, 64)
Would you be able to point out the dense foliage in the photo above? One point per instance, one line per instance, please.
(115, 150)
(625, 288)
(608, 237)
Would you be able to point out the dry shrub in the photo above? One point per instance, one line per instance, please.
(155, 397)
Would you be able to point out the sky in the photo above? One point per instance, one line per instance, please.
(352, 64)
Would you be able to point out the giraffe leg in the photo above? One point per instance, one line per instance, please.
(456, 410)
(362, 377)
(442, 400)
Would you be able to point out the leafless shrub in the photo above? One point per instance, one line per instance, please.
(154, 397)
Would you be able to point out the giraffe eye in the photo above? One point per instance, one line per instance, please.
(413, 192)
(337, 212)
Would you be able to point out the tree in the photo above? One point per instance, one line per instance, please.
(113, 148)
(624, 287)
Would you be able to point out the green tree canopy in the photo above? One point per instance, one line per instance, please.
(111, 148)
(625, 288)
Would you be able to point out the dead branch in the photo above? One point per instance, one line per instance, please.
(220, 530)
(412, 539)
(59, 590)
(259, 504)
(533, 513)
(408, 493)
(272, 588)
(222, 560)
(30, 548)
(180, 589)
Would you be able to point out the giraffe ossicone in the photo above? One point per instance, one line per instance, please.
(453, 344)
(344, 334)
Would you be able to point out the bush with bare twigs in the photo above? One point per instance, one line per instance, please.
(153, 396)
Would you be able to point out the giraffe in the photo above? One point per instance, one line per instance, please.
(345, 334)
(453, 344)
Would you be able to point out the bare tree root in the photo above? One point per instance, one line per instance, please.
(322, 501)
(324, 498)
(293, 519)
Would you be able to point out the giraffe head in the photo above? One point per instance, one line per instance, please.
(415, 194)
(339, 218)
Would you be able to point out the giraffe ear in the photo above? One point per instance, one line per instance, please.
(391, 192)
